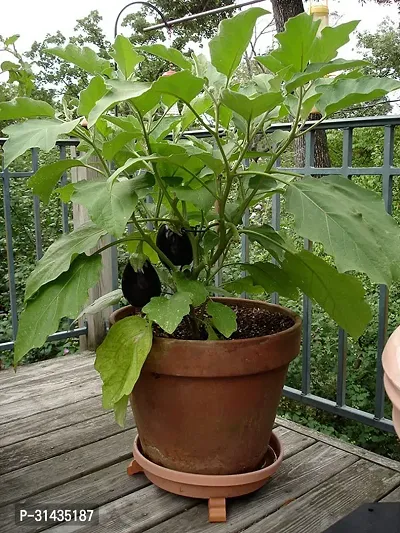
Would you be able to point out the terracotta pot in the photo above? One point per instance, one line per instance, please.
(208, 407)
(391, 366)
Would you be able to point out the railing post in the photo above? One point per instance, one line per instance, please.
(96, 324)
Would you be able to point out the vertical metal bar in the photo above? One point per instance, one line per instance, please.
(276, 224)
(245, 251)
(64, 207)
(307, 305)
(342, 340)
(36, 209)
(10, 252)
(387, 186)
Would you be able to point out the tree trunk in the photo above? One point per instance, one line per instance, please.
(283, 10)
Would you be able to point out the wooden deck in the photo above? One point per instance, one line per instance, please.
(57, 445)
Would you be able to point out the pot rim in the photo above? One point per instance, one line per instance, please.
(278, 308)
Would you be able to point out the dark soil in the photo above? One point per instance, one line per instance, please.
(251, 321)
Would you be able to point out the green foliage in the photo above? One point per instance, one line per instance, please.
(199, 187)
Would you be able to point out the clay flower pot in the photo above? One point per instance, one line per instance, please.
(208, 407)
(391, 366)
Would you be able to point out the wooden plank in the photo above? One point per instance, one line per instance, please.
(44, 368)
(95, 489)
(342, 445)
(292, 442)
(298, 474)
(60, 441)
(361, 483)
(56, 382)
(42, 423)
(49, 400)
(393, 496)
(36, 478)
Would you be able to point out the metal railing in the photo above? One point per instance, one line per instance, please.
(386, 171)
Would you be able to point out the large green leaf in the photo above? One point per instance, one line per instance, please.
(60, 254)
(172, 55)
(232, 39)
(164, 127)
(89, 96)
(251, 108)
(346, 92)
(125, 56)
(118, 141)
(331, 40)
(120, 357)
(205, 69)
(316, 71)
(268, 238)
(180, 86)
(168, 312)
(120, 91)
(201, 197)
(200, 104)
(340, 295)
(196, 289)
(297, 42)
(120, 408)
(223, 318)
(83, 57)
(244, 284)
(22, 107)
(46, 178)
(109, 205)
(35, 133)
(272, 278)
(63, 297)
(350, 222)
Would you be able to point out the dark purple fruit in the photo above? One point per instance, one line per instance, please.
(139, 287)
(176, 246)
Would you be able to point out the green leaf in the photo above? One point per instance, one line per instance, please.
(120, 91)
(180, 86)
(350, 222)
(65, 193)
(11, 40)
(83, 57)
(315, 71)
(251, 108)
(223, 318)
(172, 55)
(89, 96)
(60, 254)
(232, 39)
(297, 42)
(245, 284)
(22, 107)
(331, 40)
(63, 297)
(120, 410)
(273, 279)
(109, 206)
(206, 70)
(46, 178)
(120, 357)
(200, 104)
(34, 133)
(340, 295)
(202, 197)
(107, 300)
(125, 56)
(110, 148)
(346, 92)
(129, 123)
(196, 289)
(168, 312)
(268, 238)
(164, 127)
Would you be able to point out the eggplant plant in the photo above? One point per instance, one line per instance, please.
(200, 189)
